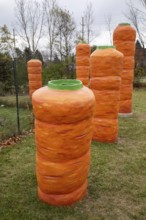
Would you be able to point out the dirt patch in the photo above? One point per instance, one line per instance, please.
(140, 116)
(15, 139)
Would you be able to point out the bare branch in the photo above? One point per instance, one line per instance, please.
(108, 20)
(135, 17)
(89, 19)
(29, 21)
(50, 10)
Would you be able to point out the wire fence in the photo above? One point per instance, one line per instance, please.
(16, 115)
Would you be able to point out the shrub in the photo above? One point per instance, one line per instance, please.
(139, 75)
(54, 71)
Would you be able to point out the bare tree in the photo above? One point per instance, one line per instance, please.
(83, 27)
(143, 3)
(66, 32)
(29, 21)
(66, 35)
(50, 9)
(138, 18)
(89, 19)
(108, 20)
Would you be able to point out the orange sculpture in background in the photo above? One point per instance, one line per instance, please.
(83, 52)
(63, 131)
(34, 68)
(124, 40)
(106, 66)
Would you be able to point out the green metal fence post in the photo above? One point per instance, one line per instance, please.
(16, 85)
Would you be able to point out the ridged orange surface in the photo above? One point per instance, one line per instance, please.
(82, 62)
(106, 66)
(63, 133)
(124, 39)
(34, 68)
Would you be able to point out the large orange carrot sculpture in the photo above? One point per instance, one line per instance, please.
(106, 66)
(63, 131)
(34, 75)
(124, 39)
(82, 62)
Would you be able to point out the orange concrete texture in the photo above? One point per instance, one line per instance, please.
(82, 63)
(124, 37)
(63, 133)
(34, 68)
(106, 66)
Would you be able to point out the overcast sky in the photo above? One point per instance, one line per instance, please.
(77, 7)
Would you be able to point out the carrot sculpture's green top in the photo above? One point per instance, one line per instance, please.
(65, 84)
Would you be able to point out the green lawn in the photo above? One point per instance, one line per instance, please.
(10, 101)
(117, 178)
(8, 121)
